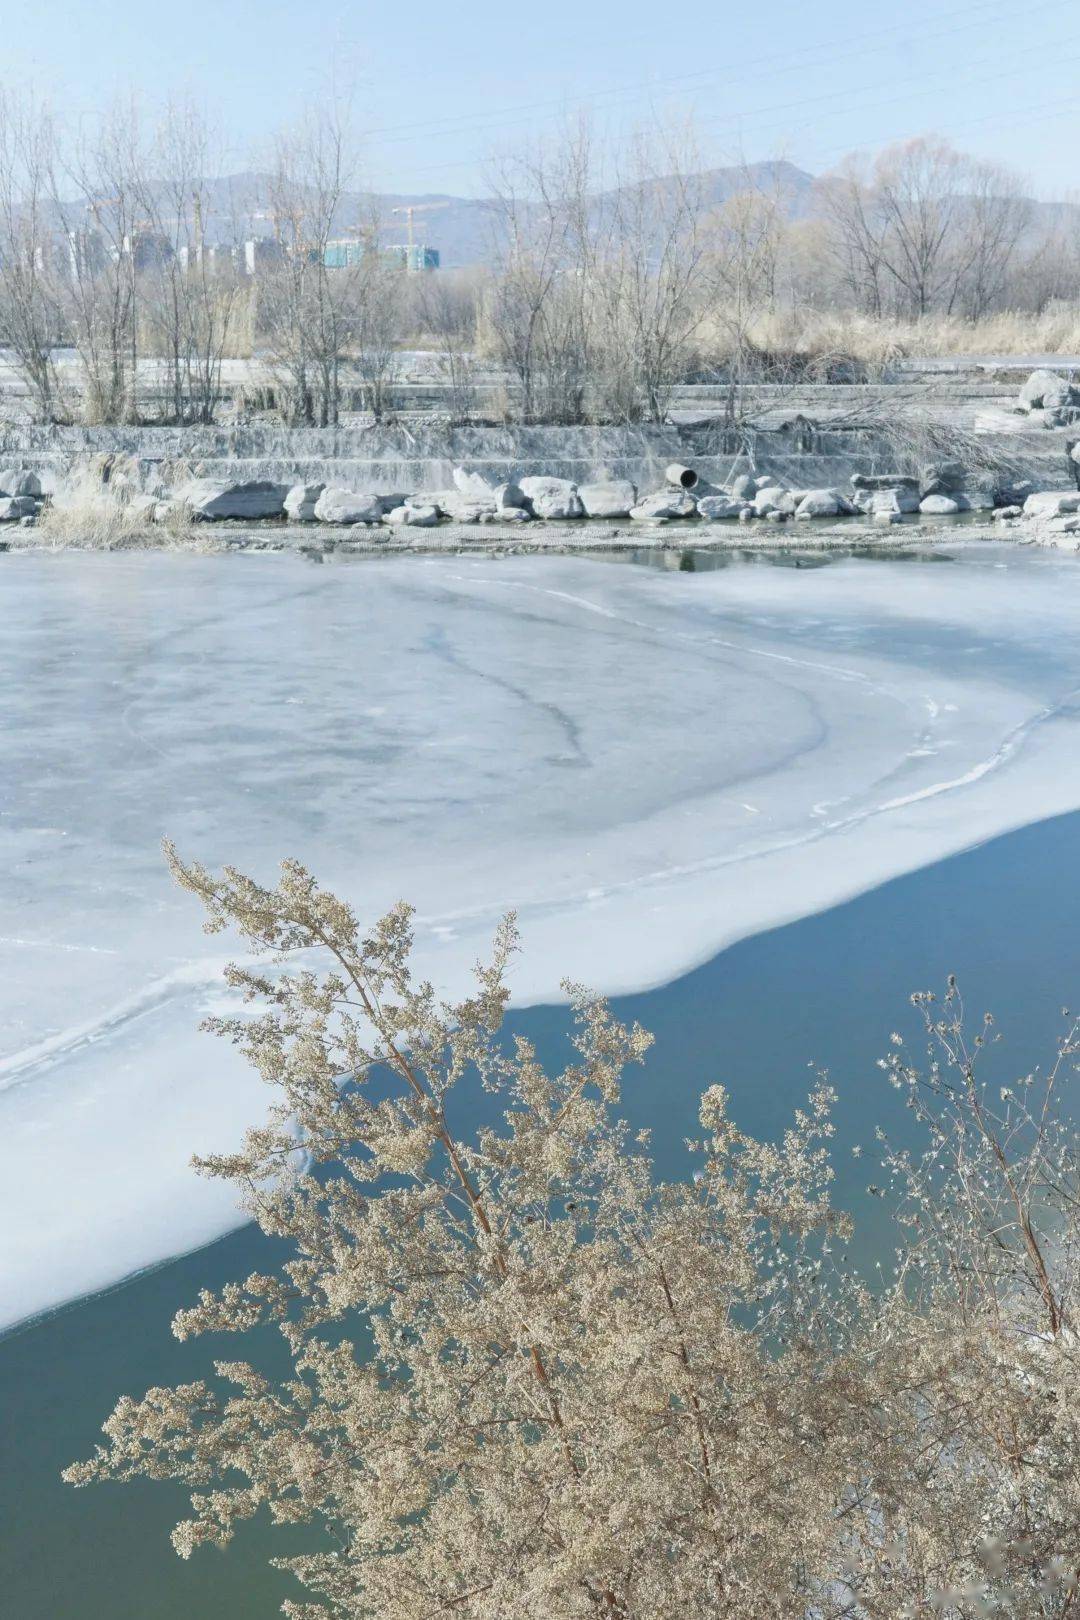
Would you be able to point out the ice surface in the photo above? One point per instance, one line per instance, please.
(648, 765)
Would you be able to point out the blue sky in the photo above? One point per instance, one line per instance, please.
(438, 87)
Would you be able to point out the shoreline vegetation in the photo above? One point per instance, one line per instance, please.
(571, 1384)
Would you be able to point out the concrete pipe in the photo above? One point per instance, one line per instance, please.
(681, 477)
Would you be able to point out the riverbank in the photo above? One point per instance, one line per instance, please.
(670, 540)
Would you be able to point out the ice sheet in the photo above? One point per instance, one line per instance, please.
(648, 765)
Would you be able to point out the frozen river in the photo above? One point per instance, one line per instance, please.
(647, 765)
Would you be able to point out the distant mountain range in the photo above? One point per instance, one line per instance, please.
(463, 228)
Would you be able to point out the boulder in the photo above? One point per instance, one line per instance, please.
(611, 499)
(891, 498)
(711, 507)
(212, 500)
(886, 515)
(301, 501)
(938, 506)
(744, 487)
(879, 481)
(554, 498)
(20, 481)
(1045, 390)
(509, 498)
(416, 517)
(941, 478)
(1046, 503)
(472, 484)
(13, 507)
(1014, 494)
(774, 499)
(462, 508)
(822, 503)
(336, 505)
(1004, 512)
(665, 505)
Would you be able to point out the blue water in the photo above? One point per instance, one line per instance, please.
(824, 991)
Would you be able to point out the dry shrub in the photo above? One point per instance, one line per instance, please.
(101, 508)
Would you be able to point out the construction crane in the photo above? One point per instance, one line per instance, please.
(409, 209)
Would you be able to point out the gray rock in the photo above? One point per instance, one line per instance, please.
(746, 514)
(711, 507)
(876, 481)
(665, 505)
(1004, 512)
(13, 507)
(416, 517)
(1045, 390)
(553, 498)
(509, 497)
(886, 516)
(938, 506)
(20, 481)
(211, 500)
(301, 501)
(743, 487)
(822, 503)
(890, 499)
(472, 484)
(463, 508)
(773, 498)
(942, 478)
(346, 506)
(611, 499)
(1046, 503)
(1014, 494)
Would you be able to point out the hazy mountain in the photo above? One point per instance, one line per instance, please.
(463, 228)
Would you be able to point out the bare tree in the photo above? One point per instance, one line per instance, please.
(539, 303)
(856, 239)
(446, 310)
(30, 323)
(301, 305)
(95, 191)
(190, 276)
(653, 267)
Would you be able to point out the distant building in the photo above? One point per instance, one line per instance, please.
(345, 251)
(148, 249)
(259, 253)
(417, 257)
(87, 252)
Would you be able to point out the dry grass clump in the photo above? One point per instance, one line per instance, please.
(101, 508)
(826, 343)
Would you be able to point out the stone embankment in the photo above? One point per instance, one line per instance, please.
(354, 480)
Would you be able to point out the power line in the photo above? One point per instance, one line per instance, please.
(985, 11)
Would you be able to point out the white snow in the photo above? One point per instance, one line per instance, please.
(648, 765)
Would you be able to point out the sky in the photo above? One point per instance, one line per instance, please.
(438, 89)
